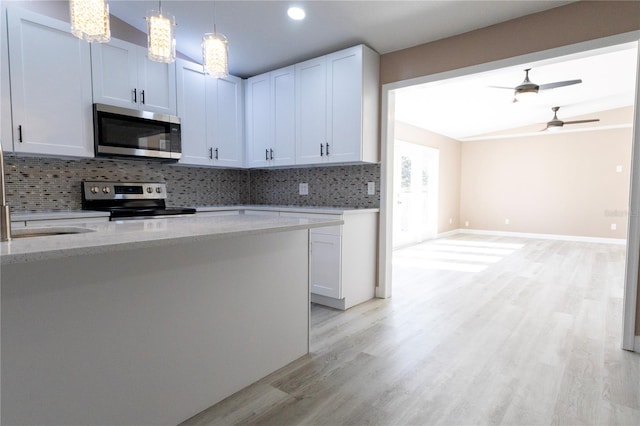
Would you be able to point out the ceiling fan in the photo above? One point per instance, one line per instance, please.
(557, 124)
(528, 88)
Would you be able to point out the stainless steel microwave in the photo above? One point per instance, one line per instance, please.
(132, 133)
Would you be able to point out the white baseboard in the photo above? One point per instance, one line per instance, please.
(448, 233)
(577, 238)
(636, 346)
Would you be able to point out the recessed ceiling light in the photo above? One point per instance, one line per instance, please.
(296, 13)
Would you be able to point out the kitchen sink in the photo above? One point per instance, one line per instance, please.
(47, 232)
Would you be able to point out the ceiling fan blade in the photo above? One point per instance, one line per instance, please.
(582, 121)
(559, 84)
(503, 87)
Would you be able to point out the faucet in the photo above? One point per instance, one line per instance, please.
(5, 213)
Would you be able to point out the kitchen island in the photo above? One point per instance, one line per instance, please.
(150, 322)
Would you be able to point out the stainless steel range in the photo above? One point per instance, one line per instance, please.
(130, 200)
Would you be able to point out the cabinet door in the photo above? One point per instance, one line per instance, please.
(311, 109)
(283, 110)
(192, 110)
(325, 265)
(258, 120)
(156, 84)
(344, 102)
(227, 112)
(50, 87)
(6, 136)
(114, 67)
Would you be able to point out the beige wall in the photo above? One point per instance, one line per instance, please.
(561, 26)
(570, 24)
(557, 184)
(449, 171)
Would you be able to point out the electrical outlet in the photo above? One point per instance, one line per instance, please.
(304, 189)
(506, 221)
(466, 223)
(371, 188)
(618, 169)
(614, 226)
(450, 221)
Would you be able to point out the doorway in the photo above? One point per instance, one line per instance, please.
(388, 163)
(415, 184)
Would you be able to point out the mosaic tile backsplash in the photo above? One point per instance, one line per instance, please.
(335, 186)
(43, 184)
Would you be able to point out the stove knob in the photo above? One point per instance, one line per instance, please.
(159, 189)
(106, 190)
(95, 189)
(149, 189)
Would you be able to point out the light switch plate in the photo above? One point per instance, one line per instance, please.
(371, 188)
(614, 226)
(618, 168)
(304, 189)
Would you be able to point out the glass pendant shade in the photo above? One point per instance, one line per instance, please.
(90, 20)
(215, 55)
(161, 37)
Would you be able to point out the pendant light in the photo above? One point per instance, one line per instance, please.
(161, 36)
(215, 54)
(90, 20)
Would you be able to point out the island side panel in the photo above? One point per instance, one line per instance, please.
(150, 336)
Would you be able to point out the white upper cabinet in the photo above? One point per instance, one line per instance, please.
(283, 101)
(337, 107)
(192, 110)
(270, 119)
(311, 111)
(124, 76)
(211, 117)
(227, 133)
(50, 79)
(258, 123)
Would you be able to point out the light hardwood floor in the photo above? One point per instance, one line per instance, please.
(480, 330)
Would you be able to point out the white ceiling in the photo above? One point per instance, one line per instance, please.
(262, 37)
(466, 107)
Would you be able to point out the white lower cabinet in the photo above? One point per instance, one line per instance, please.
(342, 259)
(325, 258)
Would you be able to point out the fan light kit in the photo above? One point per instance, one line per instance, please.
(556, 124)
(528, 89)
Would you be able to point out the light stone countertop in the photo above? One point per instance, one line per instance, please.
(137, 234)
(57, 215)
(293, 209)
